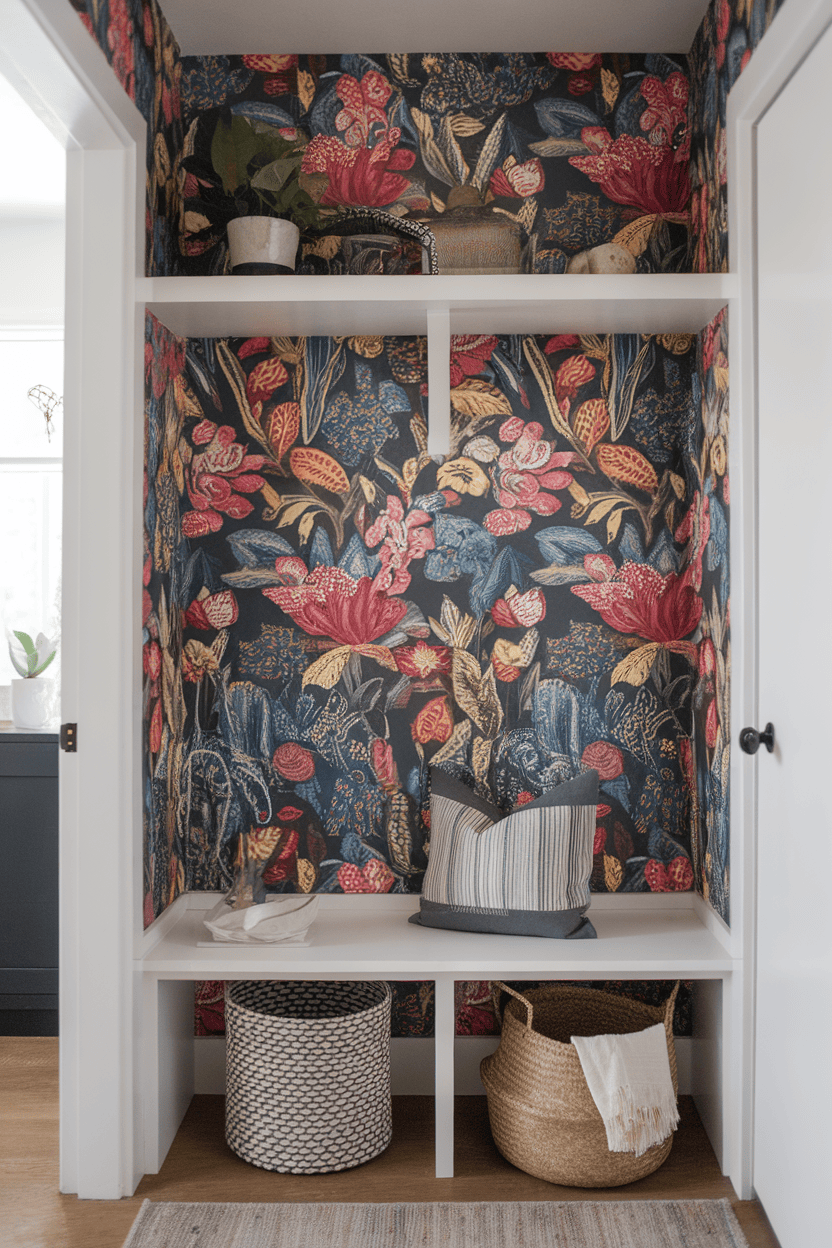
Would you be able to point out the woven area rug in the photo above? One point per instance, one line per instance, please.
(530, 1224)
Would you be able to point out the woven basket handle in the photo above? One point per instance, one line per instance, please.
(498, 989)
(670, 1005)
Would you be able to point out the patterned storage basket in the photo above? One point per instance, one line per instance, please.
(307, 1074)
(542, 1114)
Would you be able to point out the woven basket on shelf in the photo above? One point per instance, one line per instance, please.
(542, 1114)
(307, 1074)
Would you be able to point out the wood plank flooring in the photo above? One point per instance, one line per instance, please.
(200, 1166)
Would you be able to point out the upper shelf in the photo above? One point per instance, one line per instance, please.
(220, 307)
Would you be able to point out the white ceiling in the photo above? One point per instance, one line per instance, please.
(203, 27)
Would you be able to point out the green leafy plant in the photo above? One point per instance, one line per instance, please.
(31, 658)
(260, 169)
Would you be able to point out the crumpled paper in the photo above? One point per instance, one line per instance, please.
(283, 920)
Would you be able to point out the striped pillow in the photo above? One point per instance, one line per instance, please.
(523, 874)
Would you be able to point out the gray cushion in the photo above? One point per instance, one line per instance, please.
(524, 874)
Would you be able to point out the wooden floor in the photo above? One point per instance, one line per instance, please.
(200, 1166)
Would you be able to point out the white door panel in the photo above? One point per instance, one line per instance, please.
(793, 1086)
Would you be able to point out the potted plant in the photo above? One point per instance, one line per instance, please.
(31, 696)
(260, 166)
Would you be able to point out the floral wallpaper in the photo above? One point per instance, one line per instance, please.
(413, 1004)
(577, 150)
(724, 43)
(144, 55)
(331, 611)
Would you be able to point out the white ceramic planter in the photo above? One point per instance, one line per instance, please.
(262, 244)
(31, 702)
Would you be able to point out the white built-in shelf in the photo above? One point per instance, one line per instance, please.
(660, 937)
(225, 306)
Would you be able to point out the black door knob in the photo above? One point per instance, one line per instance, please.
(751, 739)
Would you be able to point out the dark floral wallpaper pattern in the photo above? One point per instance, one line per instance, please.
(342, 611)
(577, 150)
(724, 43)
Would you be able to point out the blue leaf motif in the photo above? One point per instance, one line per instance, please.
(270, 114)
(320, 554)
(564, 118)
(255, 547)
(356, 560)
(563, 545)
(393, 398)
(558, 719)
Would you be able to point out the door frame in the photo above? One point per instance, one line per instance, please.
(793, 33)
(51, 60)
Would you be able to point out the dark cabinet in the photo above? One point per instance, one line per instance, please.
(29, 906)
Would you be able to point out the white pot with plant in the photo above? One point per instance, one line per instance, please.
(31, 696)
(260, 166)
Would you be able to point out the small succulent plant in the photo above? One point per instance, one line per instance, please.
(31, 658)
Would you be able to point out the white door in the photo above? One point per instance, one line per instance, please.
(793, 1083)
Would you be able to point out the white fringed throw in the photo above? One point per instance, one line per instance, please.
(629, 1078)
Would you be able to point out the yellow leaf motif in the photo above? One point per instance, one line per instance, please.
(465, 126)
(476, 694)
(610, 87)
(636, 235)
(306, 89)
(613, 873)
(326, 671)
(474, 397)
(635, 668)
(307, 875)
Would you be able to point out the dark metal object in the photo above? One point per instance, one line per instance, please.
(69, 738)
(751, 739)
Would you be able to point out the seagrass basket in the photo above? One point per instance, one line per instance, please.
(542, 1114)
(307, 1074)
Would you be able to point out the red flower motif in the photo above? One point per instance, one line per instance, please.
(288, 814)
(154, 735)
(631, 170)
(469, 355)
(532, 463)
(328, 603)
(214, 474)
(152, 659)
(574, 60)
(524, 797)
(209, 1007)
(560, 342)
(579, 84)
(218, 610)
(284, 861)
(600, 839)
(120, 41)
(363, 116)
(374, 877)
(434, 722)
(676, 877)
(405, 538)
(518, 610)
(518, 181)
(573, 373)
(695, 529)
(502, 523)
(294, 763)
(666, 115)
(605, 758)
(711, 725)
(384, 765)
(639, 600)
(423, 661)
(359, 176)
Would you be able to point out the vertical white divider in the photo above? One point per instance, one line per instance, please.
(444, 1085)
(439, 381)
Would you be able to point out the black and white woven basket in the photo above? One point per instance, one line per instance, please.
(307, 1074)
